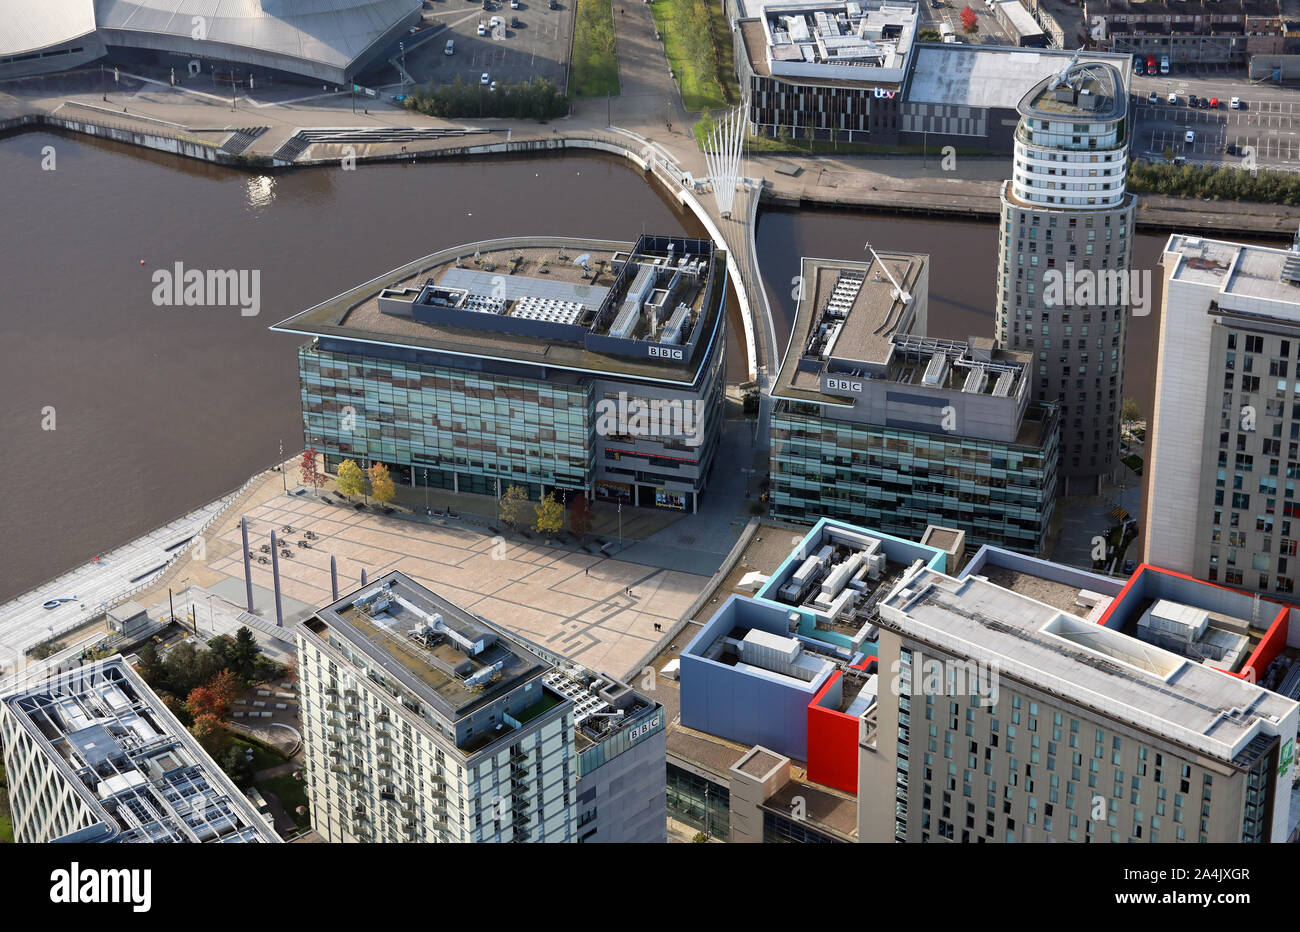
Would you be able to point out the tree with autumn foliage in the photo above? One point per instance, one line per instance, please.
(210, 733)
(311, 475)
(512, 505)
(352, 481)
(201, 701)
(550, 515)
(969, 21)
(580, 516)
(381, 484)
(225, 688)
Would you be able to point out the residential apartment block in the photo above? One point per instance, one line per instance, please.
(1066, 213)
(1206, 31)
(1224, 439)
(555, 364)
(423, 723)
(865, 688)
(877, 424)
(1046, 706)
(93, 755)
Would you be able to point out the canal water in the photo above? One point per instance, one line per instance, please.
(157, 410)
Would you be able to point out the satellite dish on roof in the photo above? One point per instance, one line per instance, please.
(584, 262)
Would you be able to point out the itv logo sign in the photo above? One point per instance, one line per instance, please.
(881, 92)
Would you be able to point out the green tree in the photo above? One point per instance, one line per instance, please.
(1129, 411)
(352, 481)
(244, 654)
(512, 505)
(149, 667)
(237, 766)
(929, 35)
(550, 514)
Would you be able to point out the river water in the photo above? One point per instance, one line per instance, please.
(157, 410)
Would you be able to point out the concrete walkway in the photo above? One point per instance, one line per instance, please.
(23, 620)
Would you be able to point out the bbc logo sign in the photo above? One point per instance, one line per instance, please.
(665, 352)
(842, 385)
(640, 731)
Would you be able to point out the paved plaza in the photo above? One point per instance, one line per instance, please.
(573, 603)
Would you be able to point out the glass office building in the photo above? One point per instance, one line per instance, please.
(549, 363)
(900, 481)
(443, 427)
(877, 424)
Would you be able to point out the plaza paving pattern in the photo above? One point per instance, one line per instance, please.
(574, 604)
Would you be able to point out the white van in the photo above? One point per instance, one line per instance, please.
(450, 47)
(1164, 64)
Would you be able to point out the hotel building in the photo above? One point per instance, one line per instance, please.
(1066, 211)
(877, 424)
(552, 363)
(1224, 438)
(1033, 702)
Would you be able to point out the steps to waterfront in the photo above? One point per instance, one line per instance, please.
(296, 144)
(241, 139)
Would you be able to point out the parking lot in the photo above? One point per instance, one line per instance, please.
(537, 47)
(1267, 125)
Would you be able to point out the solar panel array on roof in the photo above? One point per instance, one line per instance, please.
(547, 309)
(515, 287)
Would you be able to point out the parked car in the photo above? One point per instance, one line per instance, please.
(482, 28)
(484, 79)
(1193, 100)
(1235, 103)
(1214, 103)
(492, 86)
(1164, 64)
(1173, 99)
(450, 47)
(1189, 137)
(1153, 98)
(514, 4)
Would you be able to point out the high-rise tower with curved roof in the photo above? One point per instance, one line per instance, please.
(1067, 219)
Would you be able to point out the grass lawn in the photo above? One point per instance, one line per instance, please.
(263, 756)
(1133, 462)
(6, 822)
(685, 26)
(291, 794)
(595, 57)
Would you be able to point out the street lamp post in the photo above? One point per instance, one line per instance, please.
(284, 482)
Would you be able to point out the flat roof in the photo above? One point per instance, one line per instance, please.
(128, 759)
(873, 316)
(355, 315)
(1063, 94)
(456, 663)
(823, 806)
(1239, 270)
(1113, 673)
(988, 76)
